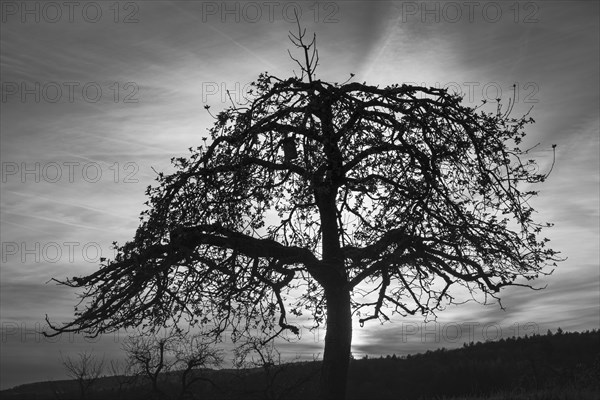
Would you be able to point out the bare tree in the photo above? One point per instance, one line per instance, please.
(147, 356)
(176, 353)
(256, 352)
(85, 370)
(341, 200)
(191, 355)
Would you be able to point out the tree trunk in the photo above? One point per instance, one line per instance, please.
(334, 279)
(338, 338)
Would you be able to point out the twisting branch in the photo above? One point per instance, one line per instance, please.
(311, 59)
(333, 199)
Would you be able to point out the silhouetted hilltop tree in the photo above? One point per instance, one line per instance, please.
(86, 369)
(339, 200)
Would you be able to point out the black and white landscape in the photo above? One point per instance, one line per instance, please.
(361, 185)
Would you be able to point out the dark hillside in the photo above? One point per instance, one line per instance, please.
(552, 366)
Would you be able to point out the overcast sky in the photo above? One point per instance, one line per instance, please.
(97, 94)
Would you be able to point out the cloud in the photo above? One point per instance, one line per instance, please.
(170, 56)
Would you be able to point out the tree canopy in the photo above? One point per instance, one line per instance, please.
(332, 199)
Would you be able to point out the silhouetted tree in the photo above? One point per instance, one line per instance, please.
(175, 353)
(256, 353)
(276, 382)
(147, 357)
(85, 370)
(336, 199)
(192, 354)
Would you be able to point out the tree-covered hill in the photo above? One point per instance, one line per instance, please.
(552, 366)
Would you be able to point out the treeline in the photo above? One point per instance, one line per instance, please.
(560, 365)
(552, 363)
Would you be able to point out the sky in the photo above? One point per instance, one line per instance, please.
(97, 96)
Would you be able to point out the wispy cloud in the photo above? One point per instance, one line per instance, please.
(174, 52)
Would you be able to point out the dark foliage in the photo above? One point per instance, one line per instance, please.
(336, 200)
(525, 364)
